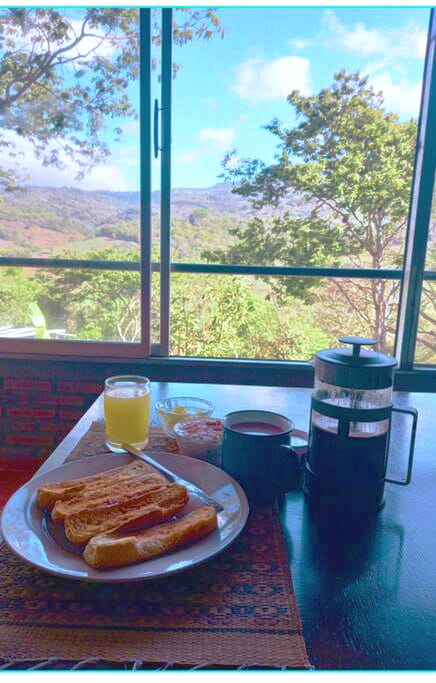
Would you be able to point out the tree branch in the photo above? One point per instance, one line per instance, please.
(346, 221)
(354, 307)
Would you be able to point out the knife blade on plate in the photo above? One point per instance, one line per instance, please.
(202, 496)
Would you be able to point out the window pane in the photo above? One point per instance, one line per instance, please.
(281, 318)
(91, 305)
(426, 338)
(425, 350)
(69, 140)
(324, 178)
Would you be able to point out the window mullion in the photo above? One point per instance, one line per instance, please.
(165, 201)
(145, 175)
(420, 211)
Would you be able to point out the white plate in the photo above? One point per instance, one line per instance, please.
(25, 532)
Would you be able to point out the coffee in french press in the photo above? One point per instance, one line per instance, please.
(349, 433)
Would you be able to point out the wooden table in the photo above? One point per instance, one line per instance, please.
(367, 599)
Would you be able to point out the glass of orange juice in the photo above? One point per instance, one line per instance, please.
(126, 411)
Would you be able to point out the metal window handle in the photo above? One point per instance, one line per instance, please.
(157, 149)
(414, 413)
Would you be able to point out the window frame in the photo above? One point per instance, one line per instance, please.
(288, 373)
(141, 349)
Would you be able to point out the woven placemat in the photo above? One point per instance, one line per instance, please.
(238, 610)
(94, 442)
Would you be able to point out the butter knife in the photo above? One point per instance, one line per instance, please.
(202, 496)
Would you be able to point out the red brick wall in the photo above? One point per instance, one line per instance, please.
(36, 413)
(40, 402)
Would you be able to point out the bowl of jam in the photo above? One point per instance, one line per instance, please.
(200, 438)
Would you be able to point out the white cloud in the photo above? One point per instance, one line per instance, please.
(401, 97)
(387, 48)
(300, 43)
(409, 42)
(108, 176)
(260, 79)
(130, 127)
(188, 157)
(219, 138)
(210, 141)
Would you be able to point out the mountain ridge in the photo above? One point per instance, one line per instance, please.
(43, 220)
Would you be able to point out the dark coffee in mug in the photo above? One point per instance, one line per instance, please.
(257, 428)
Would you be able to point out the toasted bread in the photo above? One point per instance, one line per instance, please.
(115, 549)
(145, 509)
(49, 494)
(112, 493)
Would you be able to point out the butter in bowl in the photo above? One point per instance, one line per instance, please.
(172, 411)
(200, 438)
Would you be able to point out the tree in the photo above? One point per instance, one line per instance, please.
(64, 76)
(426, 346)
(93, 304)
(226, 317)
(17, 293)
(352, 162)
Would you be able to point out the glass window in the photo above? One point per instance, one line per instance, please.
(69, 170)
(295, 147)
(280, 168)
(239, 317)
(425, 351)
(70, 304)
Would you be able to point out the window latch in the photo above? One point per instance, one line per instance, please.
(157, 149)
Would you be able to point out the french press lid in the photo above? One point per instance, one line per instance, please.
(355, 367)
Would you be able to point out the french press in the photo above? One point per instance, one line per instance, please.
(350, 424)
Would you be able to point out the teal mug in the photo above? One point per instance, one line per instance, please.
(256, 451)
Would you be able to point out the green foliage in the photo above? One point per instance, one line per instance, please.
(17, 292)
(189, 235)
(225, 317)
(210, 316)
(127, 231)
(426, 342)
(93, 304)
(283, 240)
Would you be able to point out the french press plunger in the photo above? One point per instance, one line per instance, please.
(349, 433)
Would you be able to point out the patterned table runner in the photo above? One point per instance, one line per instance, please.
(238, 610)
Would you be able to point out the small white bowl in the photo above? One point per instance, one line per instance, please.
(200, 438)
(171, 411)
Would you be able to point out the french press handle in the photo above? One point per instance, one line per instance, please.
(357, 342)
(414, 413)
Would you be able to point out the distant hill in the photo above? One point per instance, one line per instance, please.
(45, 220)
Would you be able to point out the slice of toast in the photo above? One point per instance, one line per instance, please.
(48, 494)
(115, 549)
(146, 509)
(113, 492)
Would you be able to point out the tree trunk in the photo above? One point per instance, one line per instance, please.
(380, 333)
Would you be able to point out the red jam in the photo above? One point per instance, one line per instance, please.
(206, 430)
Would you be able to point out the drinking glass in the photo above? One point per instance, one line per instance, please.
(127, 411)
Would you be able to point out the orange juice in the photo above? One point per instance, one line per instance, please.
(127, 413)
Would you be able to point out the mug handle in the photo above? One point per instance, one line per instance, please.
(414, 413)
(294, 463)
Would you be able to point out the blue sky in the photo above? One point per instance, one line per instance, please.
(228, 89)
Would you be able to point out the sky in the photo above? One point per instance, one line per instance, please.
(226, 90)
